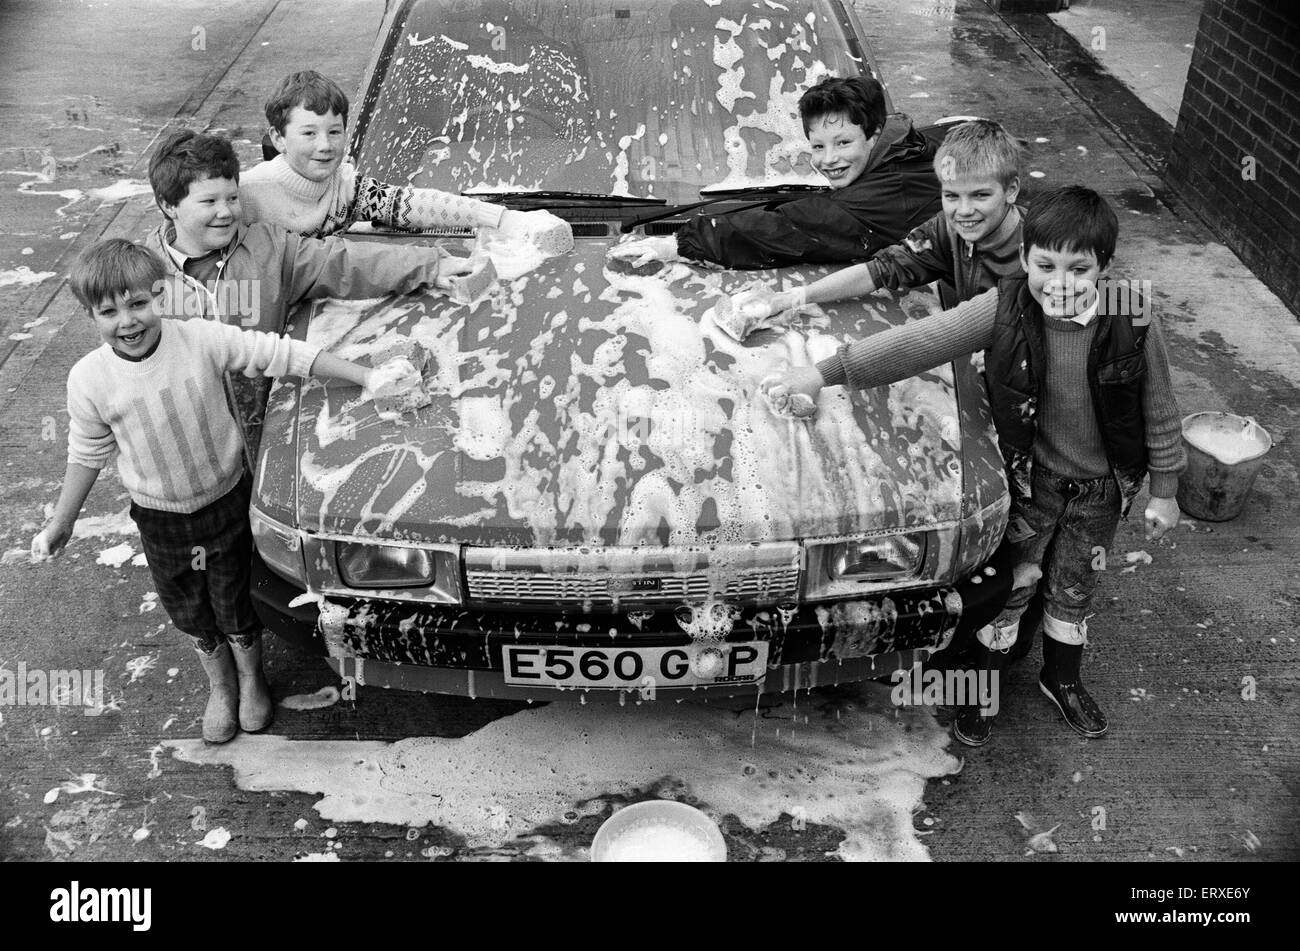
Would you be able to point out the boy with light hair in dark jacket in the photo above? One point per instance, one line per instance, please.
(971, 244)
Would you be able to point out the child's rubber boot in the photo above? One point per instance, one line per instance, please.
(1059, 681)
(974, 722)
(220, 716)
(255, 707)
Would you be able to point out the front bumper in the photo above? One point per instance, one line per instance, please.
(451, 649)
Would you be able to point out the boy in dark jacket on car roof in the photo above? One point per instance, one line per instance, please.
(882, 186)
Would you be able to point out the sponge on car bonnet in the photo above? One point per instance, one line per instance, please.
(548, 233)
(391, 399)
(472, 286)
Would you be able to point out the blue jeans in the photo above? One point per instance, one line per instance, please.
(1059, 538)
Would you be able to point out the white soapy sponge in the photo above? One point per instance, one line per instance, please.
(472, 286)
(548, 233)
(783, 403)
(396, 385)
(756, 307)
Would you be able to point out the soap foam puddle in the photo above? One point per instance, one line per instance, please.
(858, 764)
(22, 276)
(122, 189)
(98, 526)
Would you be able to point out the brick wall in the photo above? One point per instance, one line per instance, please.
(1242, 102)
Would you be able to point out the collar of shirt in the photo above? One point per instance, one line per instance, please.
(180, 257)
(209, 300)
(1085, 318)
(176, 256)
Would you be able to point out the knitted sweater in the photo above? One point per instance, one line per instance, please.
(166, 414)
(1068, 440)
(275, 193)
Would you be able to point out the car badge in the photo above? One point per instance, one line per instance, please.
(634, 585)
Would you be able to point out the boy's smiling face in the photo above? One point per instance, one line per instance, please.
(130, 323)
(976, 206)
(1063, 282)
(311, 143)
(840, 148)
(206, 217)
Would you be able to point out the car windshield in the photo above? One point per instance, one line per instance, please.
(646, 98)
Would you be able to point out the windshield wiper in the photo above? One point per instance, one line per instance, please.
(573, 196)
(766, 193)
(717, 190)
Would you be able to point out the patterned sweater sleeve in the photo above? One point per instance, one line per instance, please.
(402, 206)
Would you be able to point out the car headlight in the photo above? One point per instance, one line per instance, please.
(280, 547)
(876, 559)
(384, 566)
(857, 566)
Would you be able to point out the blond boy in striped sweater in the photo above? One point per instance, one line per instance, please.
(153, 395)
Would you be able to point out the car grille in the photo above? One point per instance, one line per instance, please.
(764, 573)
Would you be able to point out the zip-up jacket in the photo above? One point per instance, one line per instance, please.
(265, 271)
(896, 192)
(935, 252)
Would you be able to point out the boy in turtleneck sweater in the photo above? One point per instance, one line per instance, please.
(969, 246)
(1079, 387)
(309, 189)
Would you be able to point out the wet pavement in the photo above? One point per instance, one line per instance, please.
(1194, 654)
(1148, 48)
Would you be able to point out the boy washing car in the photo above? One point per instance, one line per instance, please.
(1084, 410)
(152, 396)
(968, 247)
(881, 187)
(252, 275)
(308, 188)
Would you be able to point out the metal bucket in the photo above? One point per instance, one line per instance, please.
(1224, 454)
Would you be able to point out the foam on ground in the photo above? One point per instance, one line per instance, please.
(857, 764)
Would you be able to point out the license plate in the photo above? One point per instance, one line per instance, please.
(629, 668)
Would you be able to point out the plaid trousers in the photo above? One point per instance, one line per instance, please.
(201, 564)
